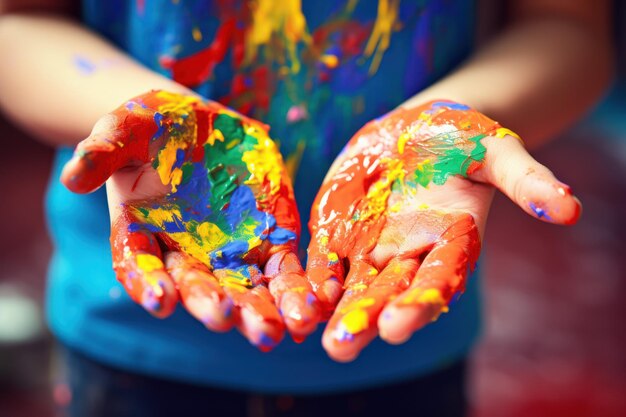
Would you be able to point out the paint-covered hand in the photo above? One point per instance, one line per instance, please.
(202, 211)
(398, 221)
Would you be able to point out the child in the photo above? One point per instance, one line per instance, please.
(315, 73)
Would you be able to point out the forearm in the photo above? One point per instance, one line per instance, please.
(46, 91)
(538, 77)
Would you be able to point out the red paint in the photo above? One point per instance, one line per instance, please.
(450, 236)
(193, 70)
(129, 141)
(134, 187)
(125, 246)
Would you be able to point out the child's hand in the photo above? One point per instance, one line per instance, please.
(202, 210)
(402, 211)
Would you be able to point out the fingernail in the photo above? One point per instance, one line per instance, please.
(540, 212)
(265, 343)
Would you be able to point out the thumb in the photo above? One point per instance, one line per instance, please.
(117, 139)
(532, 186)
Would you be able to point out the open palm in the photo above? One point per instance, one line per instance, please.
(398, 221)
(202, 211)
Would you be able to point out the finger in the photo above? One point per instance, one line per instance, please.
(325, 273)
(354, 324)
(297, 303)
(441, 275)
(200, 292)
(528, 183)
(360, 275)
(138, 265)
(117, 139)
(258, 317)
(293, 294)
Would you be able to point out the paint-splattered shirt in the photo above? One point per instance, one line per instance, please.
(315, 72)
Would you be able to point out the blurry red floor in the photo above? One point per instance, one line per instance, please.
(554, 342)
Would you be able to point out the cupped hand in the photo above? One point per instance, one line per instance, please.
(398, 221)
(202, 212)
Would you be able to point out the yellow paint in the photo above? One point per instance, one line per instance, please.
(379, 192)
(210, 236)
(216, 134)
(380, 39)
(396, 207)
(232, 279)
(178, 109)
(234, 285)
(358, 304)
(230, 145)
(209, 232)
(503, 131)
(281, 20)
(331, 61)
(167, 159)
(254, 242)
(264, 163)
(160, 215)
(424, 296)
(176, 106)
(402, 140)
(197, 35)
(176, 178)
(358, 287)
(355, 321)
(333, 258)
(148, 263)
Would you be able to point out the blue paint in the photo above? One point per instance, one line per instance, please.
(539, 212)
(387, 316)
(84, 65)
(266, 341)
(158, 120)
(280, 236)
(230, 255)
(310, 298)
(149, 300)
(450, 105)
(455, 297)
(343, 335)
(228, 310)
(180, 158)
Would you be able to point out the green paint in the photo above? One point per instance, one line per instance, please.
(424, 174)
(225, 166)
(456, 161)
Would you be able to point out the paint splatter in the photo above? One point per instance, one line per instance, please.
(539, 212)
(84, 65)
(229, 201)
(271, 42)
(89, 66)
(362, 203)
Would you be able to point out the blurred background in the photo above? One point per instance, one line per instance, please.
(554, 342)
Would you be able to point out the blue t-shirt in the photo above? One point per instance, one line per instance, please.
(315, 73)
